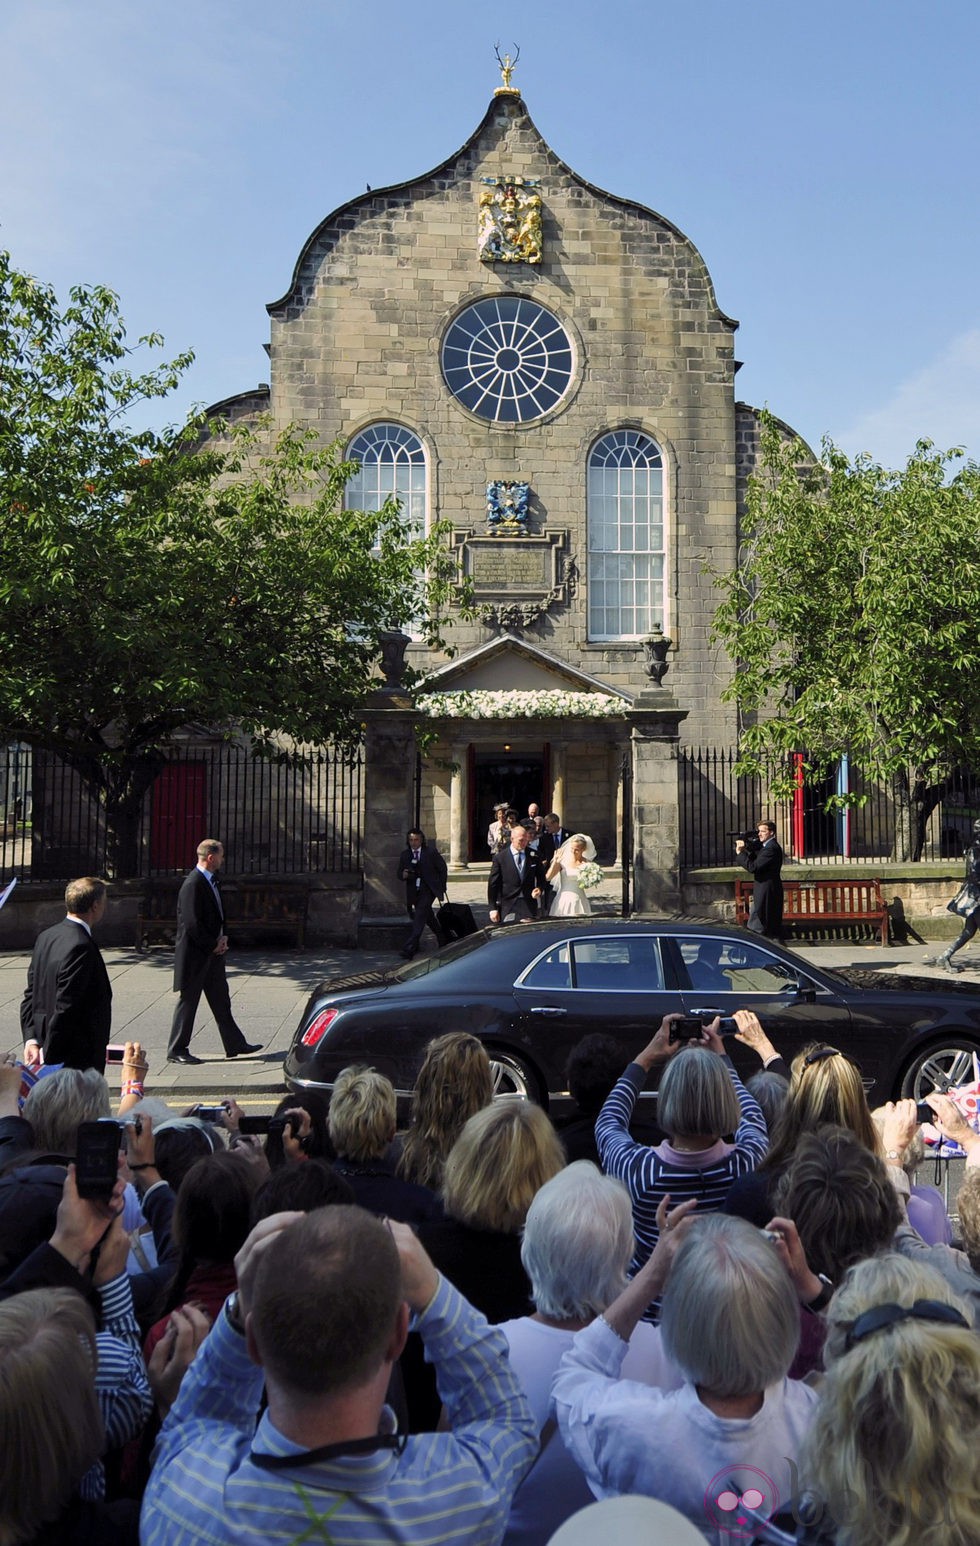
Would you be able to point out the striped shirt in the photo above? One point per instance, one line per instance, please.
(121, 1385)
(649, 1174)
(443, 1487)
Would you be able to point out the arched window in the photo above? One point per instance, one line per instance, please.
(626, 536)
(392, 461)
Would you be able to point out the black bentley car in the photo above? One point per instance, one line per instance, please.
(532, 991)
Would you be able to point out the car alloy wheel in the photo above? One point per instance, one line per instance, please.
(512, 1077)
(948, 1063)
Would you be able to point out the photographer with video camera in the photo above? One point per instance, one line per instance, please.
(763, 858)
(700, 1098)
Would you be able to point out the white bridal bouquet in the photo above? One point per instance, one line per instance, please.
(590, 875)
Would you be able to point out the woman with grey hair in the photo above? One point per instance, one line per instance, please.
(730, 1322)
(578, 1239)
(700, 1100)
(60, 1102)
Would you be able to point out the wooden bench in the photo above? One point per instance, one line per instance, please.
(252, 906)
(156, 916)
(273, 908)
(823, 901)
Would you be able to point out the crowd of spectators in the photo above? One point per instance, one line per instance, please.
(470, 1330)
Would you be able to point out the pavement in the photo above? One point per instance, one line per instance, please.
(269, 990)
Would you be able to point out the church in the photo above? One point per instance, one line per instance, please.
(545, 367)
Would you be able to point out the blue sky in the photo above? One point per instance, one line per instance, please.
(822, 157)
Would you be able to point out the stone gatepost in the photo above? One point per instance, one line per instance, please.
(389, 771)
(655, 720)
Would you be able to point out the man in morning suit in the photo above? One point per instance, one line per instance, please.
(516, 881)
(199, 959)
(67, 1007)
(551, 839)
(765, 867)
(425, 874)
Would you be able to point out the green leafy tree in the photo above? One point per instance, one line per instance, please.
(853, 619)
(152, 580)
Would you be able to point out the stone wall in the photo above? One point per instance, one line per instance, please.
(356, 340)
(916, 894)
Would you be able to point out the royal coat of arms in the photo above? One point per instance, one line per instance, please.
(510, 221)
(507, 512)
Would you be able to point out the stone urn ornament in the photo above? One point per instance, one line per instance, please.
(656, 645)
(393, 646)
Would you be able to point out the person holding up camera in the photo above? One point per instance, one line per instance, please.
(700, 1098)
(764, 863)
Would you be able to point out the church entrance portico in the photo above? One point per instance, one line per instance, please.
(506, 774)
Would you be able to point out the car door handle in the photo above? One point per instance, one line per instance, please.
(548, 1009)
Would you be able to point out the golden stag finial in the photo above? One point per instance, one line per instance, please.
(506, 70)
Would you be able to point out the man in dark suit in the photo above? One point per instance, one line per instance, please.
(67, 1007)
(199, 959)
(551, 839)
(516, 881)
(425, 874)
(765, 866)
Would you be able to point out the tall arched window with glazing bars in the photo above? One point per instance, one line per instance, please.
(625, 574)
(391, 461)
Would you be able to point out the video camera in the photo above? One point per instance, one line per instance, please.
(750, 839)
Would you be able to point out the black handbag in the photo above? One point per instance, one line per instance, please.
(456, 920)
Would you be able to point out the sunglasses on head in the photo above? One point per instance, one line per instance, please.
(822, 1054)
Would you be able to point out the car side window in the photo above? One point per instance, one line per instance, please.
(734, 966)
(618, 964)
(550, 971)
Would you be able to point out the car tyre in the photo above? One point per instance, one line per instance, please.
(512, 1076)
(951, 1058)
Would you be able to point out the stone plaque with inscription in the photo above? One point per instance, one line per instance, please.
(516, 583)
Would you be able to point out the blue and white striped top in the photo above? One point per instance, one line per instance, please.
(443, 1487)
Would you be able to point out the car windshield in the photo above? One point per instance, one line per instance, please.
(423, 965)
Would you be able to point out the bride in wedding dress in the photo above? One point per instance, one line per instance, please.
(571, 900)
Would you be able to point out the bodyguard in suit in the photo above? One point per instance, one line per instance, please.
(765, 867)
(425, 874)
(199, 959)
(67, 1007)
(516, 881)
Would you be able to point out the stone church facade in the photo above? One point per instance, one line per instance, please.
(545, 367)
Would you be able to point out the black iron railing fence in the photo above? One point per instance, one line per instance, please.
(273, 816)
(900, 821)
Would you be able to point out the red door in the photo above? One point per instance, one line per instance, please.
(179, 815)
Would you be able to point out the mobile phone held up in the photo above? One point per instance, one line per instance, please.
(210, 1113)
(97, 1159)
(686, 1028)
(115, 1052)
(690, 1027)
(263, 1125)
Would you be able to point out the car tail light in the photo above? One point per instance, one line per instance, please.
(318, 1028)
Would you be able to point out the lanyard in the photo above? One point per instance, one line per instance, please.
(395, 1441)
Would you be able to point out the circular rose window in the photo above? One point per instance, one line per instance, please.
(507, 359)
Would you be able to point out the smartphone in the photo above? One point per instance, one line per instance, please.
(686, 1028)
(115, 1052)
(211, 1113)
(258, 1125)
(97, 1159)
(268, 1124)
(924, 1112)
